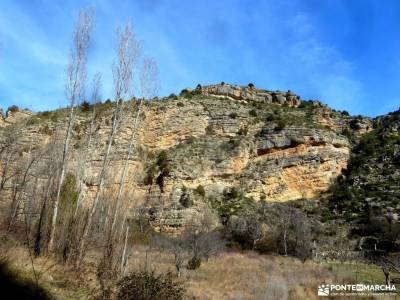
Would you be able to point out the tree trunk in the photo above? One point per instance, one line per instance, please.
(123, 258)
(125, 170)
(99, 187)
(61, 181)
(387, 275)
(284, 241)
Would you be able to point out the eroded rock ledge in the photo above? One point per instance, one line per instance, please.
(251, 93)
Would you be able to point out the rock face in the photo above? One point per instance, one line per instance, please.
(250, 93)
(13, 116)
(2, 121)
(267, 145)
(297, 163)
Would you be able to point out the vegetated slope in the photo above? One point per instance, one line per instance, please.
(368, 193)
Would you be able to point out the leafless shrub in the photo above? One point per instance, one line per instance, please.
(272, 228)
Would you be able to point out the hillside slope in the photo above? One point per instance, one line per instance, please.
(367, 195)
(194, 148)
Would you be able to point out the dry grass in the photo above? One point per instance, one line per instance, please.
(244, 275)
(230, 275)
(252, 276)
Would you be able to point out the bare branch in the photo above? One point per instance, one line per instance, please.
(149, 79)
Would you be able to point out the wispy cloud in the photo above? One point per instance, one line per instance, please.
(284, 45)
(19, 32)
(327, 73)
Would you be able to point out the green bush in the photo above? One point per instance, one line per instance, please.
(185, 200)
(270, 118)
(186, 94)
(347, 133)
(306, 104)
(243, 130)
(230, 145)
(233, 115)
(200, 191)
(77, 128)
(194, 263)
(44, 114)
(345, 113)
(231, 193)
(13, 108)
(162, 160)
(326, 215)
(33, 121)
(354, 124)
(148, 286)
(150, 173)
(253, 113)
(173, 96)
(163, 167)
(191, 140)
(280, 125)
(209, 129)
(85, 106)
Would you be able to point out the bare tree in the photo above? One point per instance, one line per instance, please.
(179, 256)
(247, 228)
(149, 79)
(75, 90)
(149, 83)
(9, 153)
(123, 70)
(295, 232)
(50, 172)
(94, 101)
(124, 253)
(201, 236)
(20, 193)
(389, 262)
(148, 88)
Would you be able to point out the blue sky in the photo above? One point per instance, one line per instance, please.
(343, 52)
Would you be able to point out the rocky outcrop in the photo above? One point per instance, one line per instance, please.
(296, 163)
(2, 121)
(250, 93)
(13, 116)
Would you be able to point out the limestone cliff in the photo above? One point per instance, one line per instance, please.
(268, 145)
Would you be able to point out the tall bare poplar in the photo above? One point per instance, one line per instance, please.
(94, 101)
(75, 90)
(149, 86)
(149, 79)
(123, 70)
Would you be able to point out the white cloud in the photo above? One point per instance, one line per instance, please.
(21, 33)
(324, 67)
